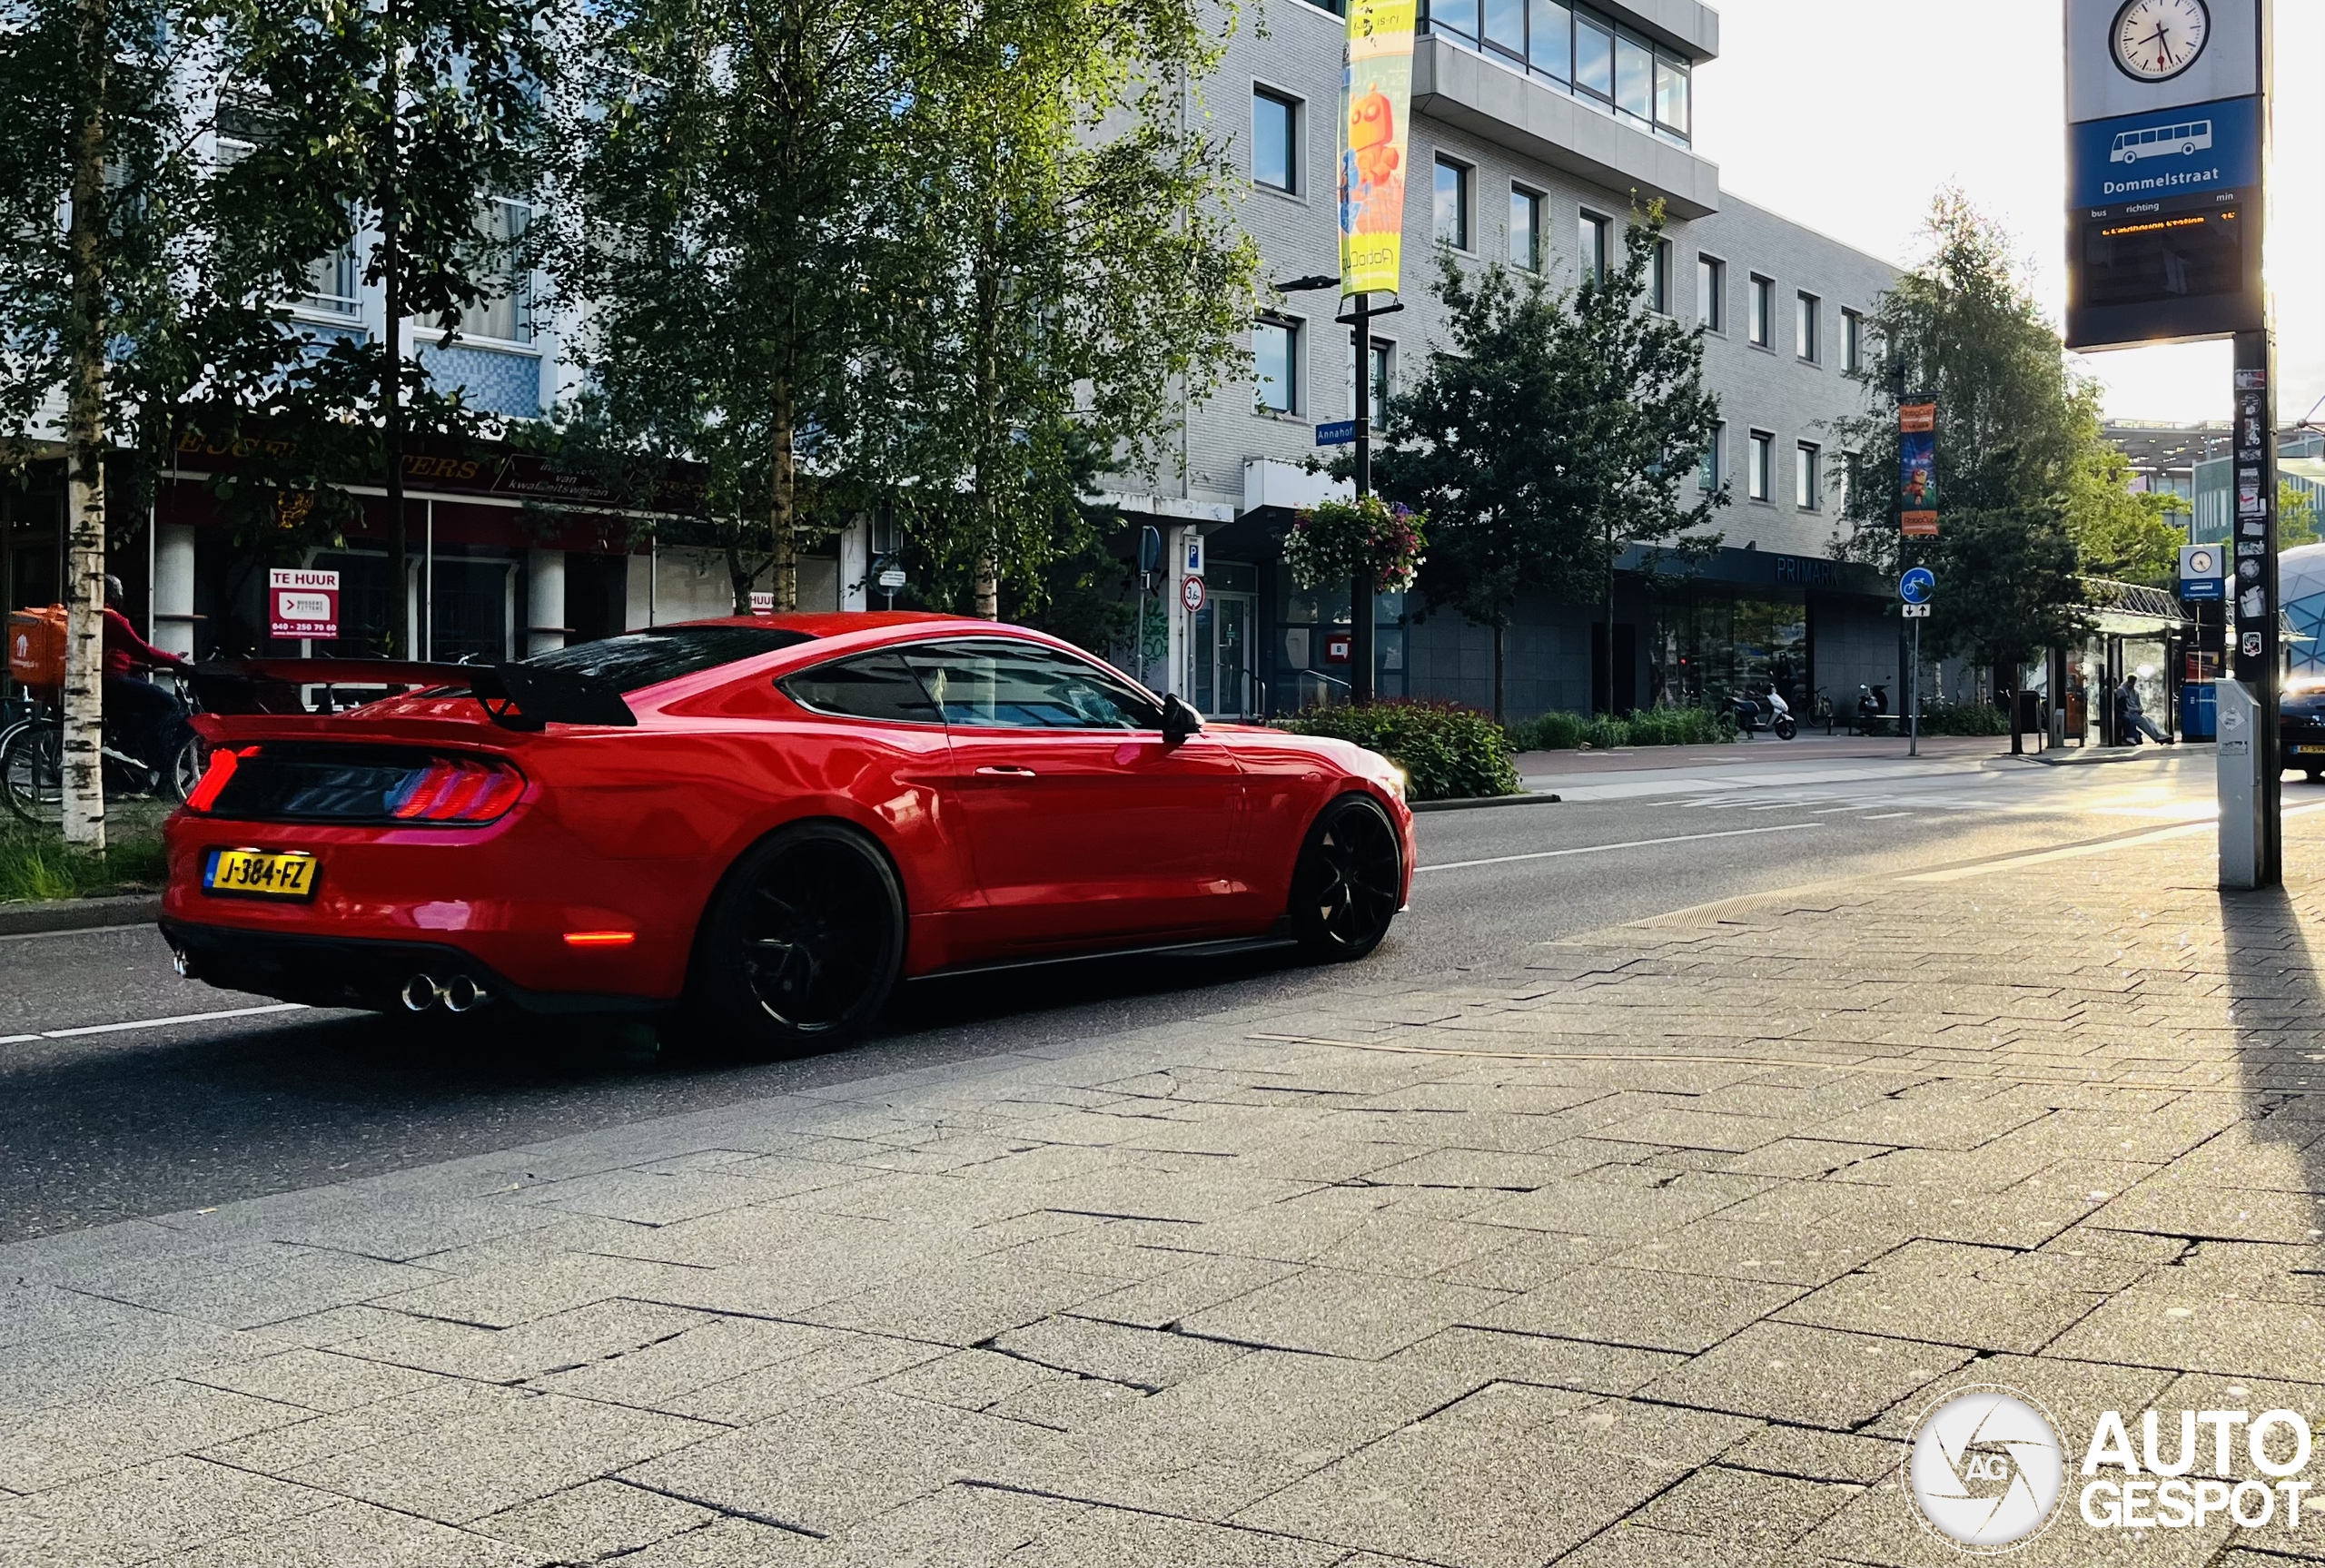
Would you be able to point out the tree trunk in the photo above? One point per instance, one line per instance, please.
(84, 590)
(392, 368)
(738, 581)
(783, 515)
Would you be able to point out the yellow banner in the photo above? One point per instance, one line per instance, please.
(1376, 99)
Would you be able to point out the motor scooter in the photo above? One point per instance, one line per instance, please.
(1872, 703)
(1768, 714)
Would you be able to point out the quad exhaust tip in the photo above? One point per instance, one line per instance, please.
(459, 995)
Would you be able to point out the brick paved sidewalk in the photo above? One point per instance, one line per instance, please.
(1648, 1254)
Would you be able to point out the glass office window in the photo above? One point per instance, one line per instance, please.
(1808, 477)
(1634, 77)
(1383, 351)
(1456, 17)
(1763, 310)
(1803, 326)
(1594, 57)
(1525, 229)
(1592, 236)
(1672, 95)
(1276, 365)
(1451, 208)
(1658, 283)
(1551, 43)
(1853, 340)
(1505, 26)
(1711, 293)
(1759, 480)
(1707, 471)
(1275, 126)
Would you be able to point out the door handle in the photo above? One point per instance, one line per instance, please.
(1006, 771)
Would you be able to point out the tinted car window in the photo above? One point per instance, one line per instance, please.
(873, 686)
(636, 660)
(1020, 685)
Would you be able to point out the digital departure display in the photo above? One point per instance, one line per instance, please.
(2153, 259)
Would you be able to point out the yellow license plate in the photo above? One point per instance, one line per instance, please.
(258, 874)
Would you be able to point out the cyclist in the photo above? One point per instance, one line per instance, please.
(142, 714)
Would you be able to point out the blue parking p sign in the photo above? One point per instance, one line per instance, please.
(1916, 586)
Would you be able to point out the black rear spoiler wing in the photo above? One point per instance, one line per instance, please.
(514, 697)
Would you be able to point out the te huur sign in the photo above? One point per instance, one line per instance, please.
(2167, 154)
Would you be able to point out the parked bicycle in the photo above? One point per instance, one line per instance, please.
(31, 760)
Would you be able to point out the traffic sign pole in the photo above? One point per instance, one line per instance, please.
(1914, 698)
(1917, 588)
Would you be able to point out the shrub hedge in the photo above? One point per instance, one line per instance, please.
(1964, 719)
(1448, 752)
(1647, 727)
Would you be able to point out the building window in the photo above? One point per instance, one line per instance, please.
(1764, 310)
(1593, 58)
(1808, 477)
(1658, 282)
(1452, 207)
(1853, 340)
(1505, 26)
(1552, 44)
(1803, 326)
(1275, 356)
(1383, 357)
(1711, 293)
(506, 314)
(1275, 141)
(1763, 458)
(1525, 229)
(1672, 107)
(1456, 17)
(1593, 235)
(1634, 78)
(1707, 471)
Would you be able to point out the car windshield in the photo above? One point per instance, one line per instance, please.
(636, 660)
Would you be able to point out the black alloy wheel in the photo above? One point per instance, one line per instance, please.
(1344, 889)
(803, 944)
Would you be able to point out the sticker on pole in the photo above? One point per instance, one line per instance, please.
(1191, 593)
(1916, 586)
(301, 603)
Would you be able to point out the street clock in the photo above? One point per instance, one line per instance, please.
(2156, 40)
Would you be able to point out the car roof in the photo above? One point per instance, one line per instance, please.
(838, 622)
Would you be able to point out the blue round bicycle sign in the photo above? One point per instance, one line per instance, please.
(1916, 586)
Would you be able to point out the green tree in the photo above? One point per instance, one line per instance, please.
(408, 132)
(737, 210)
(2295, 515)
(2014, 429)
(1082, 278)
(1554, 431)
(98, 189)
(2129, 538)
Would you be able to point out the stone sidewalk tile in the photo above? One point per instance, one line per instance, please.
(1337, 1312)
(149, 1511)
(69, 1443)
(1643, 1309)
(357, 1535)
(595, 1520)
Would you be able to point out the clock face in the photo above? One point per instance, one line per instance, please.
(2156, 40)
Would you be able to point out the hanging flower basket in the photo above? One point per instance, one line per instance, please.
(1332, 541)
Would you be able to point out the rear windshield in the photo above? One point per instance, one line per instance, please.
(636, 660)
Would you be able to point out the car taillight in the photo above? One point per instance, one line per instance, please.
(456, 789)
(223, 763)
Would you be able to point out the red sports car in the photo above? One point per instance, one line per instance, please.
(766, 821)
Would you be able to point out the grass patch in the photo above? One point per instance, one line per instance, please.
(36, 864)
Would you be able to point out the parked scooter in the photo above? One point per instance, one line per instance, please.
(1767, 713)
(1872, 703)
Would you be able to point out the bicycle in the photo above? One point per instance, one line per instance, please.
(31, 764)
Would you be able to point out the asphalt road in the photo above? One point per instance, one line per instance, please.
(113, 1122)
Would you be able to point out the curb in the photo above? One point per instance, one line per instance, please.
(2100, 759)
(79, 913)
(1478, 802)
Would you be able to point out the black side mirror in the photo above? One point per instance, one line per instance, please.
(1180, 719)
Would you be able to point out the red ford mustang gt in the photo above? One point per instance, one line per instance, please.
(766, 821)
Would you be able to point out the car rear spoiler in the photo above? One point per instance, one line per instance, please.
(514, 697)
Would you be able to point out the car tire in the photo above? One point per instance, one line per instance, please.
(1345, 885)
(801, 947)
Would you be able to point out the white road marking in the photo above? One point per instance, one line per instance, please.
(1885, 817)
(1604, 848)
(154, 1022)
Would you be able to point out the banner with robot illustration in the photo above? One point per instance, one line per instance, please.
(1376, 97)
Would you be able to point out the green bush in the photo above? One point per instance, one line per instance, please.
(1647, 727)
(1448, 752)
(1964, 719)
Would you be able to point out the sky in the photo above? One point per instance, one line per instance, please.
(1847, 115)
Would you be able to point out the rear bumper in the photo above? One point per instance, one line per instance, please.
(356, 971)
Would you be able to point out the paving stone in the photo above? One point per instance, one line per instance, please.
(1483, 1355)
(1122, 1353)
(1508, 1476)
(72, 1442)
(243, 1287)
(1199, 1283)
(595, 1520)
(1756, 1516)
(1812, 1376)
(1333, 1312)
(584, 1338)
(358, 1536)
(728, 1543)
(316, 1380)
(1593, 1208)
(136, 1514)
(1640, 1307)
(665, 1367)
(1941, 1293)
(1796, 1255)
